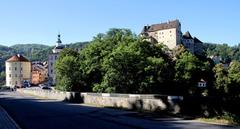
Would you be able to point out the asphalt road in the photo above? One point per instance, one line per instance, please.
(33, 113)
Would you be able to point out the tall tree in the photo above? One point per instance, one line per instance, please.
(67, 71)
(234, 79)
(92, 56)
(221, 79)
(188, 72)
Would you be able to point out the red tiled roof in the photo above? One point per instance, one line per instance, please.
(17, 58)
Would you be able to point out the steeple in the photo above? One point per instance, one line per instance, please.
(59, 42)
(59, 45)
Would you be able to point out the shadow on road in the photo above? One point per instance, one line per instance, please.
(31, 113)
(34, 113)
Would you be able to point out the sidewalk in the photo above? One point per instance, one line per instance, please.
(6, 122)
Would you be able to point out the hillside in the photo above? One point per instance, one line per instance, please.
(33, 52)
(226, 52)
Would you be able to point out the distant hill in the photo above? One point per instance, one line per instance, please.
(34, 52)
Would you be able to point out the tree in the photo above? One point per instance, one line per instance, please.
(2, 78)
(188, 70)
(67, 71)
(135, 67)
(92, 56)
(234, 79)
(221, 79)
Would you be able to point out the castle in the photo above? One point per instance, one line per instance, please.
(170, 34)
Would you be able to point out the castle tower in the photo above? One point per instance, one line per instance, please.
(18, 70)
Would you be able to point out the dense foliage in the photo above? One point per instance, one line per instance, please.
(227, 53)
(121, 62)
(228, 80)
(67, 71)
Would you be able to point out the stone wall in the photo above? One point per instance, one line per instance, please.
(149, 102)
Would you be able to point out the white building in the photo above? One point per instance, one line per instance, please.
(170, 34)
(52, 59)
(18, 70)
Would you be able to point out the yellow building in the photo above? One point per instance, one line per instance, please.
(18, 70)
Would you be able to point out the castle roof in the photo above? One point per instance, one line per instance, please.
(161, 26)
(187, 35)
(196, 40)
(17, 58)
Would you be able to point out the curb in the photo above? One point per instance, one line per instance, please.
(9, 117)
(216, 123)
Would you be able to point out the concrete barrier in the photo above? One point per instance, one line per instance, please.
(149, 102)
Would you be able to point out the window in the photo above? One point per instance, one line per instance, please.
(51, 71)
(10, 75)
(16, 82)
(9, 68)
(55, 57)
(15, 75)
(15, 68)
(51, 64)
(170, 31)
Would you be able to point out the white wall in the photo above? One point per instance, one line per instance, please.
(169, 37)
(51, 71)
(16, 72)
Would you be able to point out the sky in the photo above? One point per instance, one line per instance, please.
(39, 21)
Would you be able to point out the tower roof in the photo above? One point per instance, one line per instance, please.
(196, 40)
(17, 58)
(187, 35)
(59, 39)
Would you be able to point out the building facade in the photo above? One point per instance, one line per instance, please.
(39, 73)
(52, 58)
(170, 34)
(18, 70)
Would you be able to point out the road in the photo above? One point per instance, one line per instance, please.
(34, 113)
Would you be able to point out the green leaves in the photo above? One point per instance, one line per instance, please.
(228, 79)
(221, 78)
(67, 71)
(188, 71)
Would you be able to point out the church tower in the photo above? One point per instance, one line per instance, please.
(58, 47)
(52, 58)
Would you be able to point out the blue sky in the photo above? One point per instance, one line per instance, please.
(32, 21)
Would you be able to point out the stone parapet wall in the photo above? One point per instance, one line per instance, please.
(149, 102)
